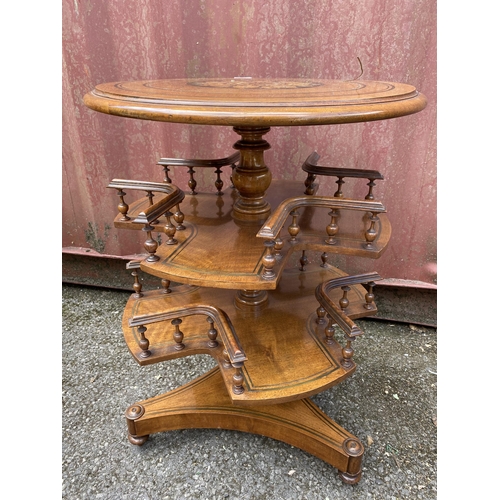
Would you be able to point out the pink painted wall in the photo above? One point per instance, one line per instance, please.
(122, 40)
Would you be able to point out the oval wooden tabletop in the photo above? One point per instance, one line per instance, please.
(256, 101)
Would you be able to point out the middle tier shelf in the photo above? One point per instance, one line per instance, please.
(215, 250)
(288, 355)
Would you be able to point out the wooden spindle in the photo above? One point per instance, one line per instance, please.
(347, 353)
(238, 379)
(226, 361)
(344, 301)
(151, 244)
(122, 206)
(151, 195)
(332, 229)
(320, 313)
(166, 178)
(212, 334)
(369, 296)
(370, 185)
(143, 342)
(309, 184)
(329, 331)
(192, 183)
(178, 335)
(278, 246)
(218, 181)
(324, 259)
(339, 193)
(371, 233)
(166, 286)
(179, 218)
(137, 285)
(170, 229)
(269, 260)
(293, 228)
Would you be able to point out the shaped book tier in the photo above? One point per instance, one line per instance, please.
(245, 293)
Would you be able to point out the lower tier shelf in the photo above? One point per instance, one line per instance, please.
(204, 403)
(288, 355)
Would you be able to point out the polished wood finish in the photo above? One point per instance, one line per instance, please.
(239, 263)
(215, 164)
(313, 170)
(203, 403)
(245, 290)
(284, 331)
(256, 102)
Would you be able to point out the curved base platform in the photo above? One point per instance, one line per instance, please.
(204, 403)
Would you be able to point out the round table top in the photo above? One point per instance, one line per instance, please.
(256, 102)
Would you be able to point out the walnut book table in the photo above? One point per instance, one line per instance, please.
(244, 292)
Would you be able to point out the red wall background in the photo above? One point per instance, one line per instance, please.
(114, 40)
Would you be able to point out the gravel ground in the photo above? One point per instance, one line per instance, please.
(390, 404)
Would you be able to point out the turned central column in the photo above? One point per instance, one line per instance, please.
(251, 177)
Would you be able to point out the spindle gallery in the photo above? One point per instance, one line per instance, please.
(246, 269)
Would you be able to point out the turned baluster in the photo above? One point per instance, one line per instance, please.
(150, 195)
(332, 229)
(347, 352)
(320, 313)
(122, 206)
(151, 244)
(269, 260)
(179, 218)
(238, 379)
(170, 229)
(370, 185)
(178, 335)
(143, 342)
(137, 285)
(329, 331)
(370, 296)
(226, 362)
(293, 228)
(339, 193)
(192, 183)
(166, 286)
(309, 184)
(344, 301)
(212, 334)
(218, 181)
(166, 170)
(303, 261)
(324, 259)
(278, 246)
(371, 233)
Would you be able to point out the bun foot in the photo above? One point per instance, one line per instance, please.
(138, 440)
(350, 478)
